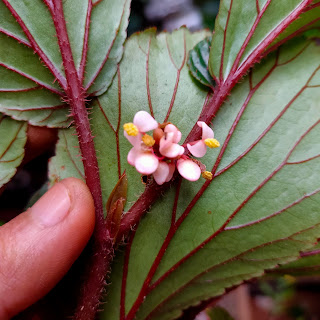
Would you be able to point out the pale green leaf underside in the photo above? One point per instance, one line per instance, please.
(67, 161)
(308, 265)
(232, 30)
(106, 48)
(273, 189)
(280, 119)
(13, 139)
(38, 107)
(21, 70)
(308, 20)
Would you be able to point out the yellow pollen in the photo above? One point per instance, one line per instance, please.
(212, 143)
(148, 140)
(130, 129)
(207, 175)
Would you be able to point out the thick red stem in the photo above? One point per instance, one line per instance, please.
(102, 243)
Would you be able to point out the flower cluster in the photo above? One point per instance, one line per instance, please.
(160, 154)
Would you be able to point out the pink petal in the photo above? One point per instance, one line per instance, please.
(166, 141)
(168, 148)
(198, 150)
(161, 174)
(134, 140)
(132, 155)
(188, 169)
(146, 163)
(174, 151)
(172, 169)
(207, 132)
(177, 134)
(144, 121)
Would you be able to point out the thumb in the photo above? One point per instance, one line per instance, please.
(39, 246)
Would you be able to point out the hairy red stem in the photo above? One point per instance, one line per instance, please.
(102, 243)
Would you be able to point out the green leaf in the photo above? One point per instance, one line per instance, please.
(106, 48)
(39, 107)
(262, 207)
(268, 192)
(307, 265)
(198, 62)
(308, 20)
(13, 139)
(219, 313)
(67, 161)
(245, 28)
(33, 86)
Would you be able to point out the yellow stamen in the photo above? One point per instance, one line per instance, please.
(148, 140)
(207, 175)
(130, 129)
(212, 143)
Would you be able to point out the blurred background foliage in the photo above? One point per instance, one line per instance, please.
(171, 14)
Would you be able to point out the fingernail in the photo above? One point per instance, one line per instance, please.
(53, 207)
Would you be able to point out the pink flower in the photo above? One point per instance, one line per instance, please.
(199, 148)
(161, 153)
(142, 122)
(169, 146)
(164, 172)
(141, 156)
(188, 169)
(143, 159)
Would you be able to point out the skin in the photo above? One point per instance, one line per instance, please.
(38, 247)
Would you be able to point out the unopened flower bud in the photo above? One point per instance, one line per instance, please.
(157, 134)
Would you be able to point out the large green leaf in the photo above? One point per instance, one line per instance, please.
(34, 89)
(13, 139)
(262, 207)
(245, 28)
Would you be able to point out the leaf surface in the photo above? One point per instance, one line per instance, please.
(204, 237)
(245, 28)
(33, 86)
(307, 265)
(309, 19)
(13, 139)
(67, 161)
